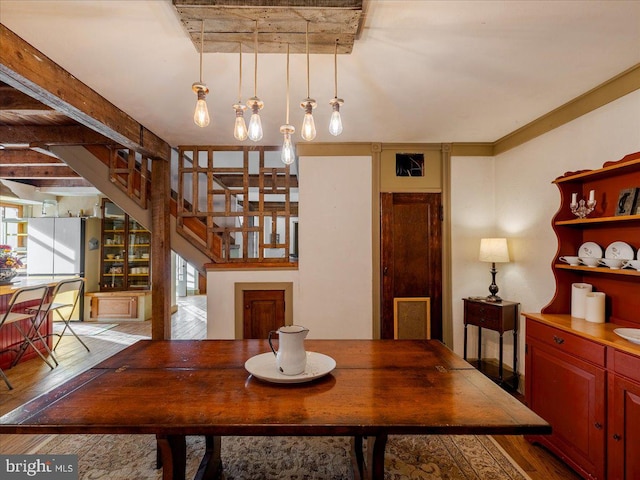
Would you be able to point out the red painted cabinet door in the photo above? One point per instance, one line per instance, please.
(570, 394)
(624, 429)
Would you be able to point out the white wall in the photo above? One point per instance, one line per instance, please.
(472, 218)
(522, 205)
(332, 288)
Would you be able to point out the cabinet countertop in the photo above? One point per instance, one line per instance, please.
(599, 332)
(33, 281)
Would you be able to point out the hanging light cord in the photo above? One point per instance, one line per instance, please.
(201, 46)
(255, 69)
(335, 69)
(240, 79)
(307, 42)
(287, 120)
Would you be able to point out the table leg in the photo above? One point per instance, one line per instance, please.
(211, 465)
(357, 458)
(173, 449)
(371, 466)
(465, 342)
(515, 356)
(500, 371)
(375, 456)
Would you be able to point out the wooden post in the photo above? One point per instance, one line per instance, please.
(161, 248)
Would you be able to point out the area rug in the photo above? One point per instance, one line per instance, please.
(82, 328)
(426, 457)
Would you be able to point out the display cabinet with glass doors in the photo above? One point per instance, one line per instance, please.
(126, 251)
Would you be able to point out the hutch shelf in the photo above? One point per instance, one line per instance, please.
(580, 376)
(126, 251)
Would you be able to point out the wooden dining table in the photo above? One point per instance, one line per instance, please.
(177, 388)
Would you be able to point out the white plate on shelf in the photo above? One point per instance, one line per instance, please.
(590, 249)
(631, 334)
(263, 366)
(619, 250)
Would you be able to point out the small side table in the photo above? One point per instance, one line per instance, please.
(500, 317)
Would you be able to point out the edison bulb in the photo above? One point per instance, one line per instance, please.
(240, 127)
(308, 131)
(255, 127)
(308, 127)
(335, 124)
(288, 155)
(201, 115)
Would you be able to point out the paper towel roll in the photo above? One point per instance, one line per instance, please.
(578, 294)
(594, 307)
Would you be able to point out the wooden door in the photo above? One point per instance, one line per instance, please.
(263, 311)
(411, 255)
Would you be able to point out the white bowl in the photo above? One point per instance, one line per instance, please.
(612, 263)
(633, 264)
(570, 260)
(590, 261)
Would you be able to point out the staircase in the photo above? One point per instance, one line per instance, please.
(93, 163)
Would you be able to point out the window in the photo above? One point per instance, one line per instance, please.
(409, 165)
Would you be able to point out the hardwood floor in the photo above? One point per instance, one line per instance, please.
(32, 378)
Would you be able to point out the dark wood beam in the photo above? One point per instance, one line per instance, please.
(55, 182)
(25, 157)
(237, 181)
(15, 100)
(52, 135)
(37, 172)
(161, 249)
(32, 72)
(276, 206)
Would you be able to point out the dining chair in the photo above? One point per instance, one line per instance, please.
(22, 307)
(64, 300)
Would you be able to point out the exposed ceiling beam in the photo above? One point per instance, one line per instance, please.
(14, 100)
(40, 171)
(229, 23)
(31, 72)
(58, 182)
(52, 135)
(26, 157)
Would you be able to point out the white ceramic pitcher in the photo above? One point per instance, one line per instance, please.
(291, 357)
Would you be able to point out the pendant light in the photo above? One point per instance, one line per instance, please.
(240, 127)
(201, 114)
(308, 131)
(254, 103)
(288, 154)
(335, 124)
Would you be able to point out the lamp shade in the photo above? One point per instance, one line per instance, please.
(494, 250)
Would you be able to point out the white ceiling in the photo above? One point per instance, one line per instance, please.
(422, 71)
